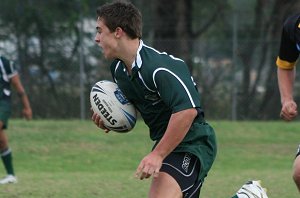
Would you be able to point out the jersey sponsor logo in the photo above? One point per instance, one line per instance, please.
(121, 97)
(104, 110)
(186, 162)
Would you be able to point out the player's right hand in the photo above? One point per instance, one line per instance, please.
(27, 113)
(97, 120)
(149, 166)
(289, 110)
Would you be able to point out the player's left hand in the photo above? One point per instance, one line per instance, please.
(149, 166)
(289, 110)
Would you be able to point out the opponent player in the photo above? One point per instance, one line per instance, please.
(162, 89)
(9, 76)
(286, 61)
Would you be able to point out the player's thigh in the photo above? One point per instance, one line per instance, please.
(164, 186)
(178, 177)
(1, 126)
(4, 116)
(3, 138)
(5, 111)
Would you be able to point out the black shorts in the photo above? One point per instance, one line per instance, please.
(184, 168)
(298, 151)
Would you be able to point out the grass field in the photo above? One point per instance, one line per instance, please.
(73, 159)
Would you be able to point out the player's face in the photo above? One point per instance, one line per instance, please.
(106, 40)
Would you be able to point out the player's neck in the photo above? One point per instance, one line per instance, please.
(129, 52)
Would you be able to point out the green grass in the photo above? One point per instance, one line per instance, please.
(254, 150)
(74, 159)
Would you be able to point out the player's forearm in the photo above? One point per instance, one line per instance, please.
(286, 80)
(178, 127)
(25, 101)
(24, 98)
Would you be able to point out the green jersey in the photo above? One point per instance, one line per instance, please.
(160, 85)
(7, 71)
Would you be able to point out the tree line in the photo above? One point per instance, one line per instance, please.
(229, 45)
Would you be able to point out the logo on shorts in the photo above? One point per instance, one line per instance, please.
(186, 162)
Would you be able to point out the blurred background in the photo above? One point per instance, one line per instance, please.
(230, 46)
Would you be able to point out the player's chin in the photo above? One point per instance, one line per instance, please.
(107, 55)
(110, 54)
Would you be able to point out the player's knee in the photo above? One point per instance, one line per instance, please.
(296, 173)
(296, 177)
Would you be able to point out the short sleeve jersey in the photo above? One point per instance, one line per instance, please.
(7, 71)
(290, 43)
(160, 85)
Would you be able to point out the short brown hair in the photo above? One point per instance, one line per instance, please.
(122, 14)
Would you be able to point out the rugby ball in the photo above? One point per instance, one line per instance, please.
(114, 109)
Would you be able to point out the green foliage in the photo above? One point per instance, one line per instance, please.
(75, 159)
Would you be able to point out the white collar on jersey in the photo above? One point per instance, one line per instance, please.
(138, 59)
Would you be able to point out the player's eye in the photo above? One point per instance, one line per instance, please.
(98, 30)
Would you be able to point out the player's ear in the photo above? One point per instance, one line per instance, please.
(119, 32)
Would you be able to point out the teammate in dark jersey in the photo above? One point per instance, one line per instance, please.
(286, 61)
(162, 89)
(8, 77)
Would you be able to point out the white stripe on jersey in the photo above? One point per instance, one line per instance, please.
(184, 86)
(14, 72)
(116, 70)
(141, 77)
(4, 74)
(165, 53)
